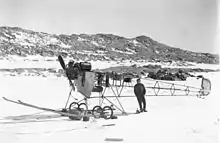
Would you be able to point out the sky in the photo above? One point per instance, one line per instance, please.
(185, 24)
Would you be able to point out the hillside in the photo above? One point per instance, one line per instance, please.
(107, 47)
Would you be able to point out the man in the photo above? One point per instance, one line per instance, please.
(140, 91)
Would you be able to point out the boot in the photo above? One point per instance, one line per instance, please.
(144, 110)
(138, 111)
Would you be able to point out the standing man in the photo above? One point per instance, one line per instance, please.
(140, 91)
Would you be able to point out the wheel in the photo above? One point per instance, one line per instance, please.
(97, 111)
(83, 107)
(74, 105)
(107, 112)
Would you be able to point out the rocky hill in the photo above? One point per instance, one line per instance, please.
(21, 42)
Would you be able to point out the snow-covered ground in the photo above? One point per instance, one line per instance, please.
(38, 61)
(171, 119)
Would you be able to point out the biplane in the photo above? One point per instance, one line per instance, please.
(82, 78)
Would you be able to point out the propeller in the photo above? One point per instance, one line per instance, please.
(62, 63)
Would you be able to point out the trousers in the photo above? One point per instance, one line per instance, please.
(141, 100)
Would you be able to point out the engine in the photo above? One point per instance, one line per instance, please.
(73, 70)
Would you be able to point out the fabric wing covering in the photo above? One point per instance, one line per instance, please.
(85, 86)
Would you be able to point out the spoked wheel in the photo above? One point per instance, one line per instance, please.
(107, 112)
(83, 107)
(97, 111)
(74, 109)
(74, 105)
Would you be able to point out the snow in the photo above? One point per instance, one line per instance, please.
(206, 66)
(125, 52)
(52, 40)
(130, 50)
(90, 53)
(33, 62)
(182, 119)
(95, 43)
(178, 65)
(81, 39)
(2, 39)
(100, 52)
(64, 45)
(38, 61)
(20, 38)
(7, 35)
(136, 43)
(27, 39)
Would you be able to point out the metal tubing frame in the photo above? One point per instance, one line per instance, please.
(116, 95)
(156, 88)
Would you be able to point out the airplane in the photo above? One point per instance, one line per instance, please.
(82, 78)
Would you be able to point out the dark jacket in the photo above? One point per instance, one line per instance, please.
(139, 89)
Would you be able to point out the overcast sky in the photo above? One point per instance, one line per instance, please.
(186, 24)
